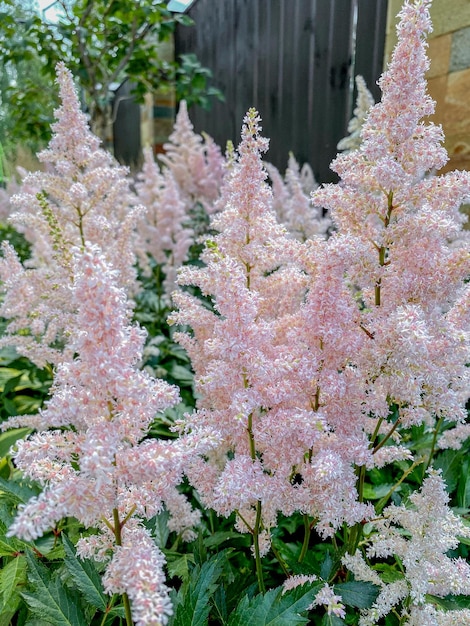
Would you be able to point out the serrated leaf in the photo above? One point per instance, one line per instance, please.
(19, 492)
(326, 567)
(450, 603)
(85, 576)
(192, 602)
(358, 594)
(179, 567)
(375, 492)
(275, 608)
(463, 490)
(50, 599)
(12, 576)
(388, 573)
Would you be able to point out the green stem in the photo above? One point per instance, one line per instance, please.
(387, 436)
(356, 531)
(251, 437)
(259, 568)
(107, 610)
(433, 445)
(383, 501)
(80, 226)
(280, 560)
(383, 249)
(125, 597)
(307, 532)
(376, 432)
(257, 526)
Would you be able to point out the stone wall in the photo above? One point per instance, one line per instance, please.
(449, 75)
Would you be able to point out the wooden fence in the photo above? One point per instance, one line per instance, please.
(295, 61)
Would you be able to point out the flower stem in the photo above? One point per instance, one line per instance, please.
(383, 501)
(387, 436)
(257, 526)
(125, 597)
(307, 532)
(433, 445)
(259, 568)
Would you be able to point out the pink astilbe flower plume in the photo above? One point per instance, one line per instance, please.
(250, 375)
(292, 202)
(90, 453)
(195, 161)
(163, 232)
(396, 227)
(84, 196)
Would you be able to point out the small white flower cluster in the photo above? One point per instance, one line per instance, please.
(419, 536)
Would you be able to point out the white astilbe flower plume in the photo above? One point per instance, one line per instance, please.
(420, 535)
(365, 100)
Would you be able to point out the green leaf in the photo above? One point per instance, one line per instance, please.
(10, 438)
(275, 608)
(463, 490)
(50, 600)
(85, 576)
(220, 537)
(450, 603)
(374, 492)
(12, 576)
(450, 463)
(388, 573)
(159, 527)
(358, 594)
(326, 567)
(12, 383)
(179, 566)
(19, 492)
(332, 620)
(193, 600)
(182, 374)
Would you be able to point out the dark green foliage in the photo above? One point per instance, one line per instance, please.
(103, 43)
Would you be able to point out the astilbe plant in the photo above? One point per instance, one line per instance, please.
(419, 536)
(365, 100)
(90, 454)
(196, 163)
(370, 342)
(316, 363)
(254, 385)
(163, 233)
(239, 350)
(84, 196)
(394, 227)
(291, 200)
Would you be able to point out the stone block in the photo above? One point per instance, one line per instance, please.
(439, 53)
(449, 15)
(437, 89)
(460, 50)
(457, 105)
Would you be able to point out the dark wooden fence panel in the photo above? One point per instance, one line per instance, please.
(294, 61)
